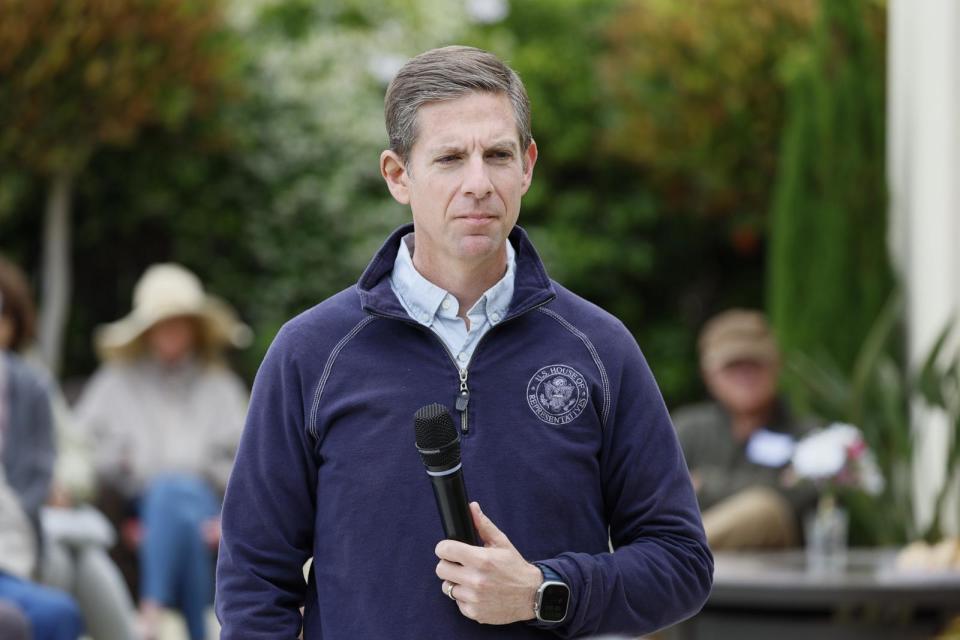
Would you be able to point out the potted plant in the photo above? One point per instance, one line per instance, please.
(879, 397)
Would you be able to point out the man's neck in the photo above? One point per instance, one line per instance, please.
(466, 281)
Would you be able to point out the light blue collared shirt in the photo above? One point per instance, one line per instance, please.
(437, 309)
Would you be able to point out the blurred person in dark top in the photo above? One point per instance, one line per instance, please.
(75, 535)
(26, 466)
(738, 446)
(164, 414)
(29, 453)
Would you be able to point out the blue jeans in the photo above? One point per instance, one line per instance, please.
(176, 565)
(53, 615)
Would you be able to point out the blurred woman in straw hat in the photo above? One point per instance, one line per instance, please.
(164, 414)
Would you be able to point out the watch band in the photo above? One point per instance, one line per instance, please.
(548, 573)
(552, 600)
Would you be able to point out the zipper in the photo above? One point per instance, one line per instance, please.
(463, 393)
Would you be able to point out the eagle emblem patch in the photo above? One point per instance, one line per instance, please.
(557, 394)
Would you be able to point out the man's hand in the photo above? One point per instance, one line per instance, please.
(492, 584)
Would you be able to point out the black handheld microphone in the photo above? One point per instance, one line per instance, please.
(439, 445)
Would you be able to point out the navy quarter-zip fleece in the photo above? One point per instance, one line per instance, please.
(565, 437)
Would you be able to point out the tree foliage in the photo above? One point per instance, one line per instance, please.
(78, 75)
(701, 100)
(665, 182)
(828, 263)
(75, 76)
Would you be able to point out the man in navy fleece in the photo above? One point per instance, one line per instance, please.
(566, 443)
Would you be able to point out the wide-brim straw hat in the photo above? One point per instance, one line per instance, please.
(167, 291)
(737, 335)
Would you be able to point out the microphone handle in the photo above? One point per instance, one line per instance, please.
(451, 495)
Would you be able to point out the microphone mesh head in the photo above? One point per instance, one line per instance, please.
(435, 430)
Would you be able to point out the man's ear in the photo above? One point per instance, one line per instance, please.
(394, 173)
(529, 159)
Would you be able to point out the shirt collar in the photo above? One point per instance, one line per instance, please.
(423, 300)
(532, 286)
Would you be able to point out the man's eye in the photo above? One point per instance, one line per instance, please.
(501, 155)
(447, 159)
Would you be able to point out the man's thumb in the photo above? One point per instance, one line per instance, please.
(489, 533)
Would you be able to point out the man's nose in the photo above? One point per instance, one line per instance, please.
(477, 182)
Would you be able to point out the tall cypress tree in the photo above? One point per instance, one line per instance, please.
(829, 273)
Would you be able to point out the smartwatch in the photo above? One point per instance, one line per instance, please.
(552, 598)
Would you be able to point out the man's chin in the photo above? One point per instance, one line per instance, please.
(478, 247)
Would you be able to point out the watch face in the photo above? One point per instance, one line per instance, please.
(553, 604)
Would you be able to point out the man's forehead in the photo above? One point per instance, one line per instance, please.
(487, 116)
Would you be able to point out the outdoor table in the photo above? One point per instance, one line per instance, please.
(777, 594)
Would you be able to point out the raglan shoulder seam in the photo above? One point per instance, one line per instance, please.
(328, 368)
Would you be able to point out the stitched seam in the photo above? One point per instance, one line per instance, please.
(604, 381)
(329, 367)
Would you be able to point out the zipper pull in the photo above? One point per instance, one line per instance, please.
(463, 398)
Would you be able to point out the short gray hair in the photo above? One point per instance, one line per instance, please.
(449, 73)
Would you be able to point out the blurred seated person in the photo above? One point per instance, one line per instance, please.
(26, 463)
(75, 537)
(738, 446)
(164, 413)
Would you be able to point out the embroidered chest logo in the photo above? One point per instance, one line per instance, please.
(557, 394)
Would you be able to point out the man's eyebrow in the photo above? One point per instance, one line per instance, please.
(503, 145)
(442, 149)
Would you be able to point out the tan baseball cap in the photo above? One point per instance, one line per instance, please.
(737, 334)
